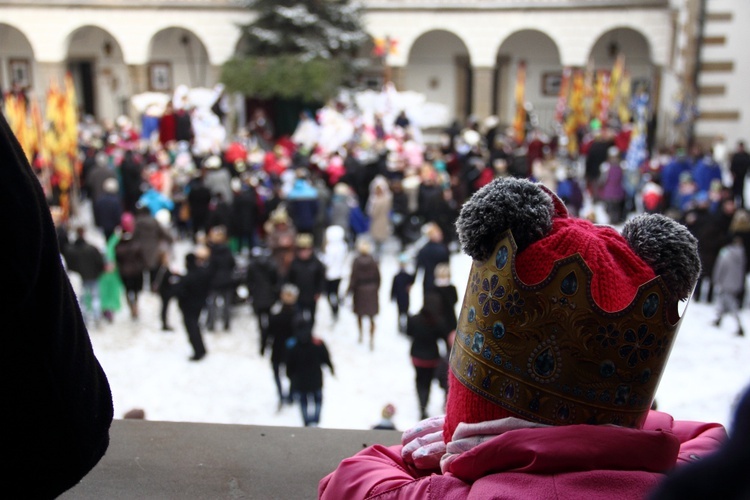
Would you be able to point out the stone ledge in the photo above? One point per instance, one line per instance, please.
(192, 460)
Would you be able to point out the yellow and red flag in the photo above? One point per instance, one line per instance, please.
(604, 98)
(384, 46)
(577, 115)
(562, 97)
(623, 96)
(519, 121)
(15, 113)
(61, 138)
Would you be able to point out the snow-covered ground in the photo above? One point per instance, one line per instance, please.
(149, 369)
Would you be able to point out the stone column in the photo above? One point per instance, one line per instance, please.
(138, 74)
(398, 76)
(482, 91)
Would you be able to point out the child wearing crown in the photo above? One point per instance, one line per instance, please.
(563, 335)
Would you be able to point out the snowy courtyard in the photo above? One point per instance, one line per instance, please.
(149, 369)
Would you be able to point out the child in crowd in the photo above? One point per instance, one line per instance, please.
(386, 422)
(306, 357)
(402, 282)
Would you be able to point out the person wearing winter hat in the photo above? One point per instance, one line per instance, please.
(562, 338)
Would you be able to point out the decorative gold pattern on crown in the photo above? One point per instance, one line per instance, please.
(548, 353)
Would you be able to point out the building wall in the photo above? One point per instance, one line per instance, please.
(723, 76)
(575, 28)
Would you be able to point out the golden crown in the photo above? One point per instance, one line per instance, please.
(548, 353)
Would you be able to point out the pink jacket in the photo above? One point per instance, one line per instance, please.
(577, 461)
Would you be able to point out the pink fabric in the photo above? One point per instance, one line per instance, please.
(577, 461)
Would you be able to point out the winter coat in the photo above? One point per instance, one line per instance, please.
(95, 180)
(131, 171)
(263, 281)
(705, 172)
(429, 198)
(402, 282)
(729, 272)
(280, 329)
(309, 276)
(364, 283)
(710, 233)
(110, 284)
(167, 128)
(596, 155)
(221, 267)
(219, 214)
(305, 359)
(58, 403)
(335, 252)
(107, 212)
(303, 205)
(425, 335)
(575, 461)
(199, 198)
(739, 164)
(151, 237)
(379, 211)
(428, 257)
(448, 298)
(85, 259)
(219, 181)
(131, 261)
(612, 189)
(281, 242)
(670, 176)
(192, 289)
(339, 212)
(183, 126)
(244, 215)
(155, 200)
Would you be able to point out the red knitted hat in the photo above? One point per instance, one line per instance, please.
(532, 314)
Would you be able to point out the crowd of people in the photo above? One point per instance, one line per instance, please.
(277, 214)
(263, 213)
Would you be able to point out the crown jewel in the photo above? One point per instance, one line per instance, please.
(548, 353)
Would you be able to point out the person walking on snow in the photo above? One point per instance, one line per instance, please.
(364, 285)
(306, 356)
(728, 280)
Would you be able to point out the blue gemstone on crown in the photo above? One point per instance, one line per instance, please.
(502, 257)
(650, 305)
(569, 284)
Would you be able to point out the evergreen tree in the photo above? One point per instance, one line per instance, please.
(297, 49)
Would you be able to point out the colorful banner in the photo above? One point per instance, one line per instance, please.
(519, 121)
(562, 97)
(604, 97)
(61, 140)
(623, 95)
(577, 114)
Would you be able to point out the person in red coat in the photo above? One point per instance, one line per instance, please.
(563, 335)
(167, 126)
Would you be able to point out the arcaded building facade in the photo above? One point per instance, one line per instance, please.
(461, 53)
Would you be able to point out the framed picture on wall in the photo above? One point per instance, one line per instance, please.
(551, 83)
(160, 76)
(20, 72)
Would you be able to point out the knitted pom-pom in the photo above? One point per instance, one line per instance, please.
(505, 203)
(669, 248)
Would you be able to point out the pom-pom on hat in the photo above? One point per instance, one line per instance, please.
(563, 321)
